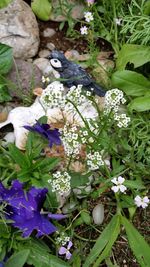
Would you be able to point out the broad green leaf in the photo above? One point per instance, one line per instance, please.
(77, 179)
(137, 243)
(134, 184)
(42, 9)
(132, 83)
(18, 156)
(4, 95)
(18, 259)
(86, 217)
(46, 164)
(104, 242)
(130, 53)
(6, 58)
(4, 3)
(140, 104)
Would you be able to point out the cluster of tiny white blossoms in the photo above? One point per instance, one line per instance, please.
(76, 96)
(88, 18)
(60, 182)
(122, 120)
(113, 99)
(70, 136)
(119, 186)
(63, 239)
(53, 96)
(94, 160)
(141, 202)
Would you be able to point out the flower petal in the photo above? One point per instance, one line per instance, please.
(62, 251)
(122, 188)
(68, 255)
(115, 188)
(114, 180)
(121, 180)
(145, 199)
(69, 245)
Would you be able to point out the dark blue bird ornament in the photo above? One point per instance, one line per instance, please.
(73, 74)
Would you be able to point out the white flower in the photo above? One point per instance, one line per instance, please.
(118, 184)
(141, 202)
(118, 21)
(88, 16)
(94, 160)
(122, 119)
(60, 182)
(90, 2)
(113, 99)
(84, 30)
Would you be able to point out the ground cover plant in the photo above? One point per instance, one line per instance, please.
(77, 195)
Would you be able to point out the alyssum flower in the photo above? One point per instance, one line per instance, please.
(84, 30)
(88, 16)
(52, 135)
(118, 181)
(24, 209)
(141, 202)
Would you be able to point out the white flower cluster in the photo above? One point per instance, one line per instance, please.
(53, 96)
(122, 120)
(70, 140)
(94, 160)
(63, 239)
(75, 95)
(60, 182)
(113, 99)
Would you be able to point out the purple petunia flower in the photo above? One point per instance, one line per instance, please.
(52, 135)
(65, 251)
(24, 209)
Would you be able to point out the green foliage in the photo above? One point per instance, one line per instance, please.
(42, 9)
(135, 54)
(4, 3)
(104, 243)
(18, 259)
(137, 243)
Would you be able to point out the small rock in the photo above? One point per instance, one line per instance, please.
(72, 55)
(48, 32)
(98, 214)
(19, 29)
(44, 65)
(50, 46)
(25, 76)
(44, 53)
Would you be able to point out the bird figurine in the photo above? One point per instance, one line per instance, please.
(73, 74)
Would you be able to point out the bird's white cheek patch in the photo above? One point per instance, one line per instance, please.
(55, 63)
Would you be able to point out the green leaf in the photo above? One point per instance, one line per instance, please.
(140, 104)
(137, 243)
(104, 242)
(134, 184)
(18, 259)
(18, 156)
(6, 58)
(4, 3)
(42, 9)
(130, 53)
(132, 83)
(77, 179)
(46, 164)
(4, 95)
(86, 217)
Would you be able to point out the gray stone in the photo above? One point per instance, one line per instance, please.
(44, 53)
(77, 10)
(48, 32)
(24, 77)
(50, 46)
(44, 65)
(98, 214)
(19, 29)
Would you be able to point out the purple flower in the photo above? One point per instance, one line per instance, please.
(65, 251)
(52, 135)
(24, 209)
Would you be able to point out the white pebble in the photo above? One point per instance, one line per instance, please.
(98, 214)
